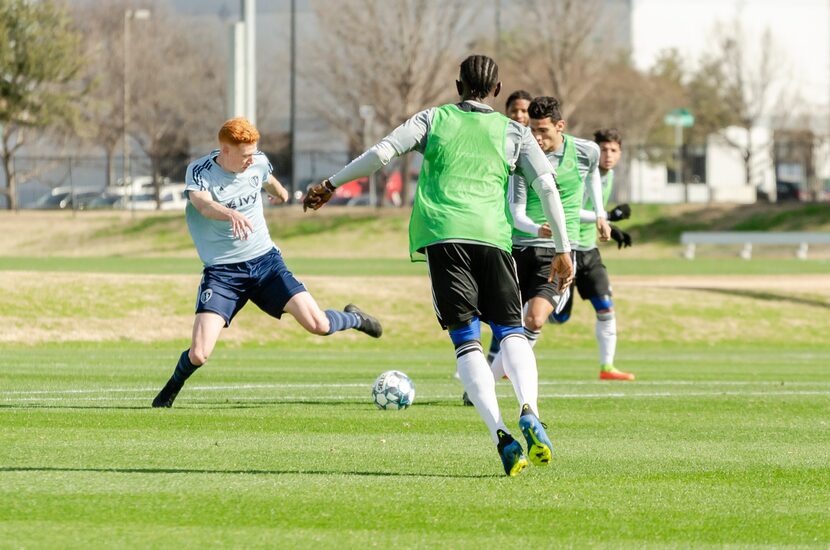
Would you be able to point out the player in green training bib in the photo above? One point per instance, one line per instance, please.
(576, 164)
(460, 225)
(591, 275)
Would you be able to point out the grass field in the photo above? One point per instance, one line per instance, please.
(724, 439)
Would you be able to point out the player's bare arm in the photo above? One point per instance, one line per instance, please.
(277, 193)
(241, 226)
(604, 229)
(561, 271)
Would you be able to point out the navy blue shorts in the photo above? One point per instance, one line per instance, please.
(266, 281)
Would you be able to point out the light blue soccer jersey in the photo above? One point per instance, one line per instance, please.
(240, 191)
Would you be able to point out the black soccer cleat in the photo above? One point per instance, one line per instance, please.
(466, 400)
(168, 394)
(368, 324)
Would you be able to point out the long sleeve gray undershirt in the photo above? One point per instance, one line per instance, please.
(521, 151)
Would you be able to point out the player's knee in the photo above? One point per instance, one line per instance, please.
(607, 315)
(535, 322)
(198, 356)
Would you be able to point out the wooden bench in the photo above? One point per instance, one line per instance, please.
(802, 240)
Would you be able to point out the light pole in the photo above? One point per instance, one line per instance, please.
(125, 142)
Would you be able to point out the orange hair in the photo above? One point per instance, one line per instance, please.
(238, 130)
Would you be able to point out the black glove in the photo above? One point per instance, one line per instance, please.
(623, 239)
(620, 212)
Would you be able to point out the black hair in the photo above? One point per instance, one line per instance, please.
(545, 107)
(605, 135)
(518, 94)
(481, 74)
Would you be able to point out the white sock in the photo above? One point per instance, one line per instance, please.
(606, 331)
(520, 366)
(497, 366)
(481, 389)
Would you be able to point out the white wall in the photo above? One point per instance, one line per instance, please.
(725, 171)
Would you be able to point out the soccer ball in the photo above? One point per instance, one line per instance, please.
(393, 390)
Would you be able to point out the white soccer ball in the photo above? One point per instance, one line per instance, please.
(393, 390)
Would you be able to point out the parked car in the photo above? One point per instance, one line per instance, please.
(172, 198)
(65, 198)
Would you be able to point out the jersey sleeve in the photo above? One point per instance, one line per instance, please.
(194, 178)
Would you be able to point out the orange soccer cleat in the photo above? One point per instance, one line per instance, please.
(610, 373)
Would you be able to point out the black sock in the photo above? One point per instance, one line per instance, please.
(184, 368)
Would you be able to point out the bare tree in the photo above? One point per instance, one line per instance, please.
(176, 83)
(102, 28)
(397, 57)
(630, 100)
(560, 48)
(753, 86)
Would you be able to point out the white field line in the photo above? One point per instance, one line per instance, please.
(613, 395)
(598, 383)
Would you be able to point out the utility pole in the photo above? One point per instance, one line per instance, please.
(129, 15)
(292, 128)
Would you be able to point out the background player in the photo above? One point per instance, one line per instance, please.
(592, 281)
(576, 163)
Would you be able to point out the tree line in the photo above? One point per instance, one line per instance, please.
(64, 69)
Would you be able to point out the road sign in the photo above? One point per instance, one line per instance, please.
(680, 117)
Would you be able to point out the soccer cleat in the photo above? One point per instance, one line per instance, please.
(539, 447)
(466, 400)
(512, 456)
(168, 394)
(608, 372)
(368, 324)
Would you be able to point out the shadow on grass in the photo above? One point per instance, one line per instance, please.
(240, 472)
(761, 295)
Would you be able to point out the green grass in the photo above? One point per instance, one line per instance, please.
(276, 446)
(403, 267)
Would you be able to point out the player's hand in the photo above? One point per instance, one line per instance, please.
(317, 195)
(545, 231)
(241, 226)
(561, 271)
(623, 239)
(604, 229)
(619, 212)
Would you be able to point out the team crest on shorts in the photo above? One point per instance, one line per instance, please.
(254, 181)
(206, 295)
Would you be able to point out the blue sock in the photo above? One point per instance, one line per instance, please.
(341, 320)
(184, 368)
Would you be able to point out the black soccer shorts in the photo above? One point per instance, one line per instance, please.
(533, 268)
(470, 279)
